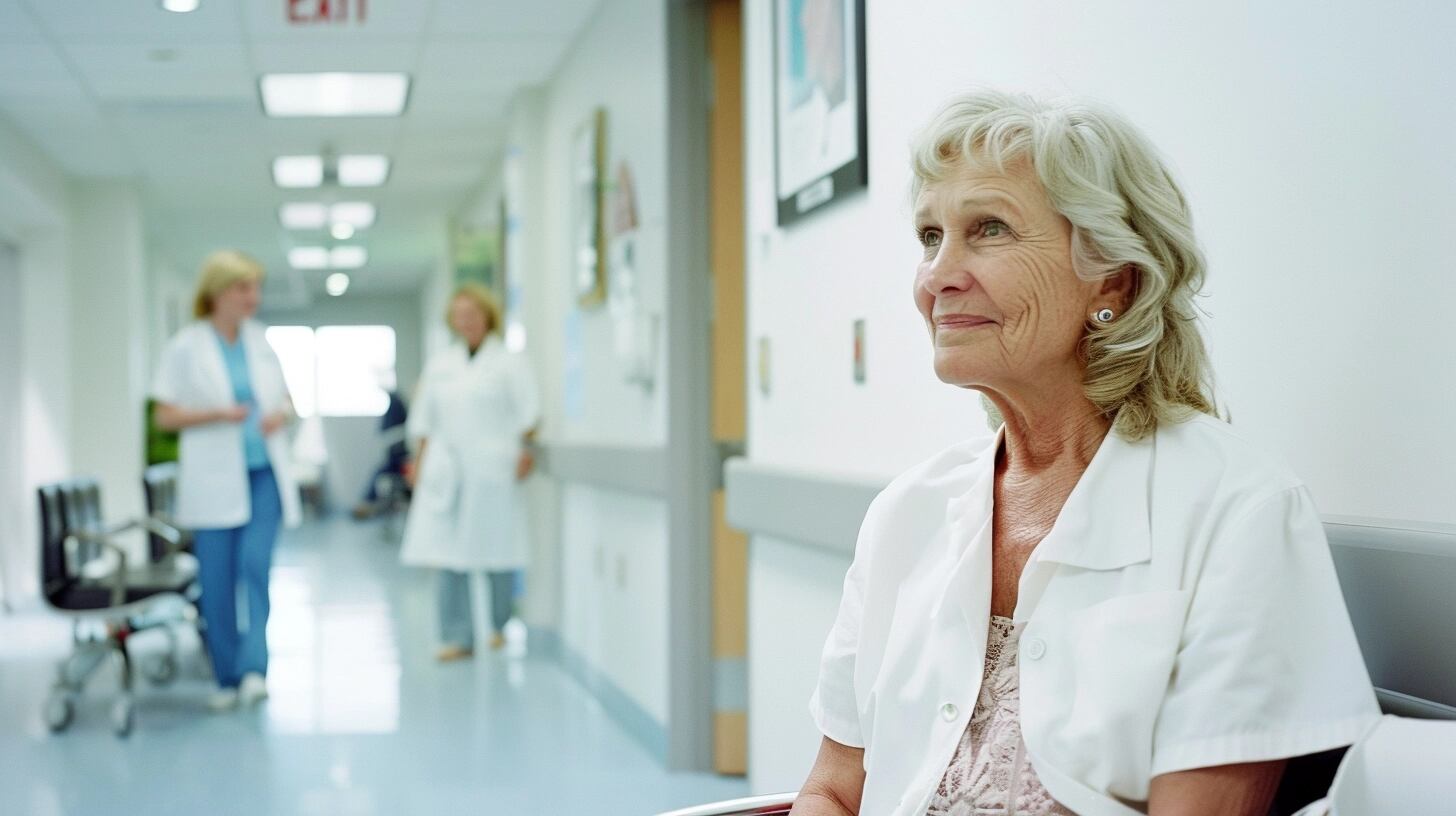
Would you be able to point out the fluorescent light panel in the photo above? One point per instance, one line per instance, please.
(334, 94)
(298, 171)
(310, 257)
(336, 284)
(181, 6)
(349, 256)
(301, 215)
(363, 170)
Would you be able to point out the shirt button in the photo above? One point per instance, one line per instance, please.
(948, 712)
(1035, 648)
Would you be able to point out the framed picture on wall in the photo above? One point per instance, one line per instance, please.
(589, 232)
(820, 127)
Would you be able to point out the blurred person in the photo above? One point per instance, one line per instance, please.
(1116, 605)
(396, 454)
(473, 422)
(220, 384)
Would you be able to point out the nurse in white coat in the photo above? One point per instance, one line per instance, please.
(1115, 605)
(221, 385)
(473, 419)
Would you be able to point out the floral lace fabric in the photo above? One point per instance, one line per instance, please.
(990, 774)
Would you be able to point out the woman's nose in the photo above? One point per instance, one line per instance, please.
(947, 272)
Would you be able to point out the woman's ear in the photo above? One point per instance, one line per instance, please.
(1119, 288)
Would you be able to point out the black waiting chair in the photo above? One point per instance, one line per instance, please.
(88, 577)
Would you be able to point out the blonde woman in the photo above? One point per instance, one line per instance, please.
(472, 422)
(220, 384)
(1115, 605)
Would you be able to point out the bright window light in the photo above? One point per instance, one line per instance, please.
(295, 349)
(310, 257)
(336, 284)
(341, 231)
(349, 256)
(357, 214)
(334, 94)
(181, 6)
(301, 216)
(363, 170)
(353, 362)
(298, 171)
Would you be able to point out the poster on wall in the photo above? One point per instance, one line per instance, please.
(820, 126)
(588, 224)
(475, 254)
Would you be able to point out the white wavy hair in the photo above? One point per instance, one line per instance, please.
(1107, 179)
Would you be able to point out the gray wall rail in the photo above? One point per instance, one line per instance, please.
(628, 468)
(1398, 577)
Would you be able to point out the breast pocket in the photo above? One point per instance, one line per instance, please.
(1093, 681)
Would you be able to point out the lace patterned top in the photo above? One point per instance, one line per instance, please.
(990, 774)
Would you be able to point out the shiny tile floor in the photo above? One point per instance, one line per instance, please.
(361, 719)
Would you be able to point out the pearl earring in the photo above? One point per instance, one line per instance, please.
(1104, 316)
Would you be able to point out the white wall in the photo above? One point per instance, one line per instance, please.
(111, 337)
(34, 217)
(1312, 140)
(618, 626)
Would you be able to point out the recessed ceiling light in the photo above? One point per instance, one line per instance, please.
(298, 171)
(337, 284)
(181, 6)
(363, 170)
(341, 231)
(334, 94)
(303, 216)
(350, 256)
(312, 257)
(357, 214)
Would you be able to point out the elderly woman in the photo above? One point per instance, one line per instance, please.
(473, 421)
(1115, 605)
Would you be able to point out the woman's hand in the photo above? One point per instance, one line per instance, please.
(273, 422)
(524, 465)
(232, 413)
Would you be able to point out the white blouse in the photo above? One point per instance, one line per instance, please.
(1183, 612)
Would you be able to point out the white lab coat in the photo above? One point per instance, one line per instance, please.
(212, 478)
(1183, 612)
(468, 510)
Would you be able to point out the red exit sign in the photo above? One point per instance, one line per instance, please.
(307, 12)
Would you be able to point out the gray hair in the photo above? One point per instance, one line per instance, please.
(1107, 179)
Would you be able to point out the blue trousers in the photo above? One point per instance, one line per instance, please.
(457, 625)
(227, 558)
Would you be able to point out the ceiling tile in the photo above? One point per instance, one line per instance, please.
(497, 18)
(216, 71)
(333, 53)
(136, 21)
(33, 69)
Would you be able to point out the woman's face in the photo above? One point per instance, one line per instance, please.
(239, 301)
(468, 321)
(995, 284)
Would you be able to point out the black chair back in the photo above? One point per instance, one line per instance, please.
(159, 484)
(54, 576)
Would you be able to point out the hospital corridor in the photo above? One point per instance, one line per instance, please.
(727, 408)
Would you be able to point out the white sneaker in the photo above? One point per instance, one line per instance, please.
(252, 690)
(223, 700)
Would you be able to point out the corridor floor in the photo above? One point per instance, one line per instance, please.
(361, 720)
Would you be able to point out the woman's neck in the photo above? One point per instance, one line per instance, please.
(226, 328)
(1054, 438)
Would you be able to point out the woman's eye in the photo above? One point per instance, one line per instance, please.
(994, 229)
(930, 238)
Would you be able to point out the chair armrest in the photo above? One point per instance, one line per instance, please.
(775, 804)
(118, 576)
(157, 527)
